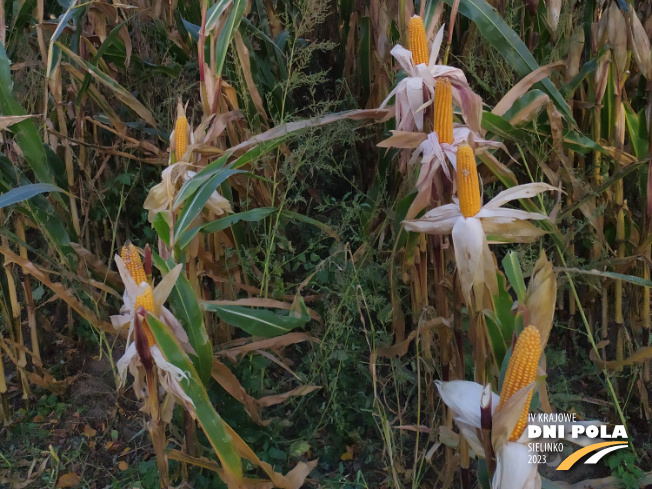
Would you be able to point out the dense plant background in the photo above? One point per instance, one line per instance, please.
(101, 82)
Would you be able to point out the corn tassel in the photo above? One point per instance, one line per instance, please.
(146, 299)
(443, 111)
(521, 371)
(130, 256)
(418, 41)
(468, 187)
(180, 137)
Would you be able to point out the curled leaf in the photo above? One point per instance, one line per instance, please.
(541, 298)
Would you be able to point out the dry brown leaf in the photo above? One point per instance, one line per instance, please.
(640, 44)
(553, 9)
(32, 475)
(6, 121)
(119, 126)
(276, 342)
(245, 64)
(622, 157)
(557, 133)
(215, 467)
(639, 356)
(89, 432)
(498, 168)
(402, 139)
(574, 53)
(124, 37)
(230, 383)
(46, 380)
(512, 232)
(379, 115)
(279, 398)
(524, 85)
(293, 480)
(505, 419)
(400, 348)
(415, 428)
(351, 58)
(279, 362)
(542, 387)
(261, 302)
(68, 480)
(617, 36)
(530, 111)
(57, 288)
(541, 297)
(123, 465)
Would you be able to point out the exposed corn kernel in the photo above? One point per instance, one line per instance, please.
(146, 299)
(521, 371)
(418, 41)
(468, 187)
(180, 137)
(443, 111)
(130, 256)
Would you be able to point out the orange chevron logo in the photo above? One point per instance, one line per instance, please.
(601, 448)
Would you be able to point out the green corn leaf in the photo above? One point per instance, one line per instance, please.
(99, 100)
(223, 223)
(209, 420)
(500, 126)
(53, 51)
(113, 37)
(186, 309)
(25, 192)
(41, 211)
(214, 12)
(309, 220)
(256, 322)
(162, 228)
(616, 276)
(513, 271)
(119, 91)
(191, 186)
(227, 32)
(494, 330)
(198, 201)
(496, 31)
(27, 135)
(522, 104)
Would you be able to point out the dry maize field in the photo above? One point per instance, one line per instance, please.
(325, 244)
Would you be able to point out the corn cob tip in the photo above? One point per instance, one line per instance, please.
(418, 41)
(521, 371)
(443, 111)
(134, 264)
(468, 186)
(180, 137)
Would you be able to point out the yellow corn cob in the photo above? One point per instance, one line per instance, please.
(443, 111)
(521, 371)
(468, 187)
(180, 137)
(133, 262)
(146, 299)
(418, 41)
